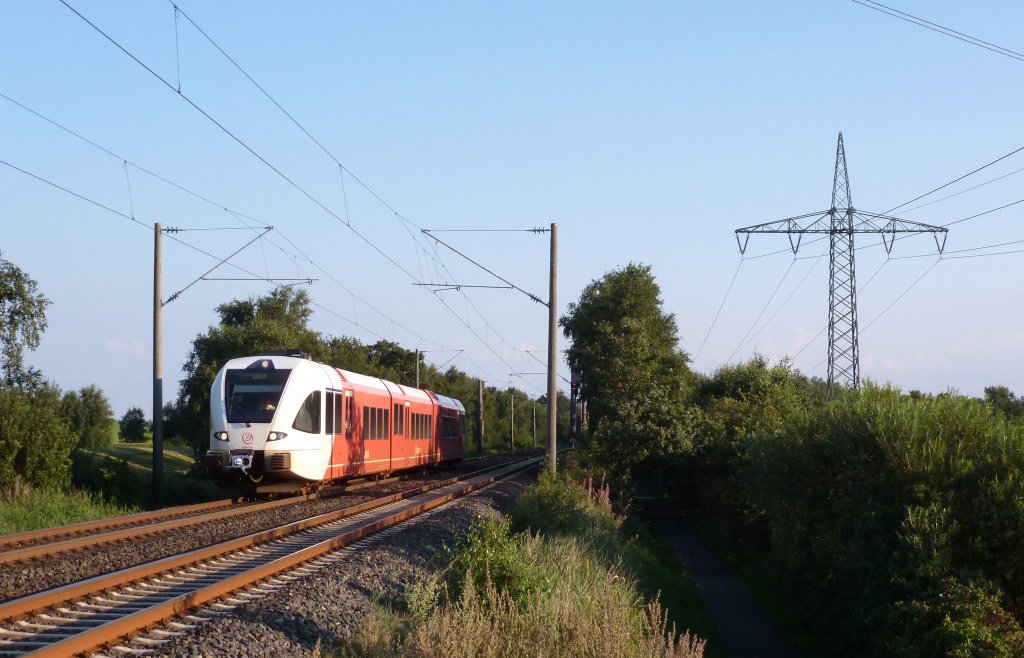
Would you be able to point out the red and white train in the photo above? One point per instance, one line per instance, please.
(278, 417)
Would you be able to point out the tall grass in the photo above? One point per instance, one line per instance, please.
(557, 592)
(896, 523)
(26, 509)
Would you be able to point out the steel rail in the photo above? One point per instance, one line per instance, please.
(49, 541)
(132, 614)
(84, 528)
(42, 600)
(111, 522)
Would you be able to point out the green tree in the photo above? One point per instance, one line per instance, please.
(89, 416)
(635, 378)
(276, 321)
(133, 425)
(22, 321)
(35, 441)
(1002, 399)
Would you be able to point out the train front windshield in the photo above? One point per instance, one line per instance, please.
(252, 396)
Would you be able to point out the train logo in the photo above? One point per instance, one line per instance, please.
(247, 438)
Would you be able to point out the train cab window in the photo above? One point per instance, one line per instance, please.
(308, 418)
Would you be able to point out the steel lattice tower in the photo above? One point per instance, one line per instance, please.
(840, 222)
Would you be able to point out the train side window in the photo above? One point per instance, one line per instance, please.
(338, 420)
(366, 423)
(387, 423)
(398, 420)
(329, 413)
(308, 417)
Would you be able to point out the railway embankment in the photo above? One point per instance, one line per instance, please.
(512, 570)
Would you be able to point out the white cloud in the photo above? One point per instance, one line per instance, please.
(131, 347)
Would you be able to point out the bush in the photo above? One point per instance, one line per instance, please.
(864, 507)
(35, 444)
(584, 610)
(489, 552)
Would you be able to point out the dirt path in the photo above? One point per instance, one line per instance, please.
(743, 625)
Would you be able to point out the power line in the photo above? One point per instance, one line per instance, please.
(861, 290)
(892, 303)
(790, 296)
(919, 197)
(964, 191)
(956, 180)
(763, 309)
(935, 27)
(720, 306)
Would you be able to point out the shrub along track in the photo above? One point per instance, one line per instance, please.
(88, 614)
(31, 563)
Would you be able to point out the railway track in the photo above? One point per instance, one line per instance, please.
(40, 544)
(84, 616)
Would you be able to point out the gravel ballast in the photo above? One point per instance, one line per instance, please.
(332, 603)
(21, 579)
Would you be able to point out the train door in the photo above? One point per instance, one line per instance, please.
(353, 444)
(333, 426)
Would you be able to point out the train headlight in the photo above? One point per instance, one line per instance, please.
(220, 436)
(276, 436)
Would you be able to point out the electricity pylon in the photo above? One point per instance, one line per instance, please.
(840, 223)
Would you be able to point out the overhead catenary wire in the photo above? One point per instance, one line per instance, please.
(257, 155)
(220, 206)
(406, 222)
(241, 142)
(188, 245)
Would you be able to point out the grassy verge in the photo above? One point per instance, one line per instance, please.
(122, 473)
(29, 510)
(568, 583)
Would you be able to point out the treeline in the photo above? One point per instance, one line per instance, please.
(40, 425)
(280, 321)
(893, 521)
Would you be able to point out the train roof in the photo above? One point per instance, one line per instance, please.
(292, 359)
(450, 403)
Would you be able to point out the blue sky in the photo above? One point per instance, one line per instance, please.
(648, 133)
